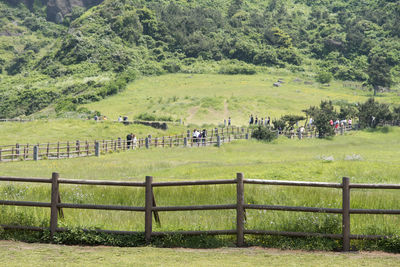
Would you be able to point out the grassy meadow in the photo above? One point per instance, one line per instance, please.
(42, 131)
(365, 157)
(211, 98)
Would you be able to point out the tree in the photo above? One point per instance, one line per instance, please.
(379, 72)
(321, 116)
(324, 77)
(371, 113)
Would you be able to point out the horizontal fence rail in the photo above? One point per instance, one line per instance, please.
(150, 208)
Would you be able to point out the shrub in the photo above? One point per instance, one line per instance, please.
(371, 113)
(263, 133)
(324, 77)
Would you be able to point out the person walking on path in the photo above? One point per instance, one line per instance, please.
(251, 119)
(129, 140)
(134, 141)
(229, 121)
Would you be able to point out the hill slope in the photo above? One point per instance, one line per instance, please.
(96, 53)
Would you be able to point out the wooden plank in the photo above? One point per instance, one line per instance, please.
(198, 207)
(26, 180)
(24, 203)
(99, 207)
(101, 182)
(189, 183)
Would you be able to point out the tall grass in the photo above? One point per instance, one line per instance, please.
(377, 161)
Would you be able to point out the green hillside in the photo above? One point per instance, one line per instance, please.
(211, 98)
(95, 53)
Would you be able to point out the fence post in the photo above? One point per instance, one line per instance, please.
(300, 134)
(119, 142)
(17, 149)
(218, 140)
(346, 213)
(54, 202)
(185, 141)
(188, 133)
(148, 208)
(35, 153)
(240, 209)
(247, 135)
(97, 149)
(147, 142)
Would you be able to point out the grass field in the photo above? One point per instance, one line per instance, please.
(211, 98)
(23, 254)
(371, 157)
(43, 131)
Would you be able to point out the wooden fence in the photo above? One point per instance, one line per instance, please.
(70, 149)
(240, 206)
(86, 148)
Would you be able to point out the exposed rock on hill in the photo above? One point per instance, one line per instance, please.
(56, 10)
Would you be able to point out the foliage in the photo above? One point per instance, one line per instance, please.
(263, 133)
(371, 113)
(153, 117)
(324, 77)
(348, 40)
(321, 116)
(279, 124)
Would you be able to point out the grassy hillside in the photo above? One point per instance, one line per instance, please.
(211, 98)
(96, 53)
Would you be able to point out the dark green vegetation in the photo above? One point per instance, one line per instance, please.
(94, 54)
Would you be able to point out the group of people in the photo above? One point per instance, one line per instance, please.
(229, 122)
(99, 118)
(199, 135)
(131, 141)
(341, 123)
(262, 121)
(120, 119)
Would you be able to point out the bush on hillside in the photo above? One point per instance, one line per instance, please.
(264, 133)
(371, 113)
(324, 77)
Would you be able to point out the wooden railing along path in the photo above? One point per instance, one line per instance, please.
(240, 206)
(86, 148)
(71, 149)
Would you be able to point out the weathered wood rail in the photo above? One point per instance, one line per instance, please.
(240, 206)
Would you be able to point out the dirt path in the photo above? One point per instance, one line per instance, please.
(226, 110)
(192, 113)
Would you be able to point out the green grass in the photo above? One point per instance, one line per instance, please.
(211, 98)
(284, 159)
(42, 131)
(17, 254)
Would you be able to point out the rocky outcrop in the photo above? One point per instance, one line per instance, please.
(56, 10)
